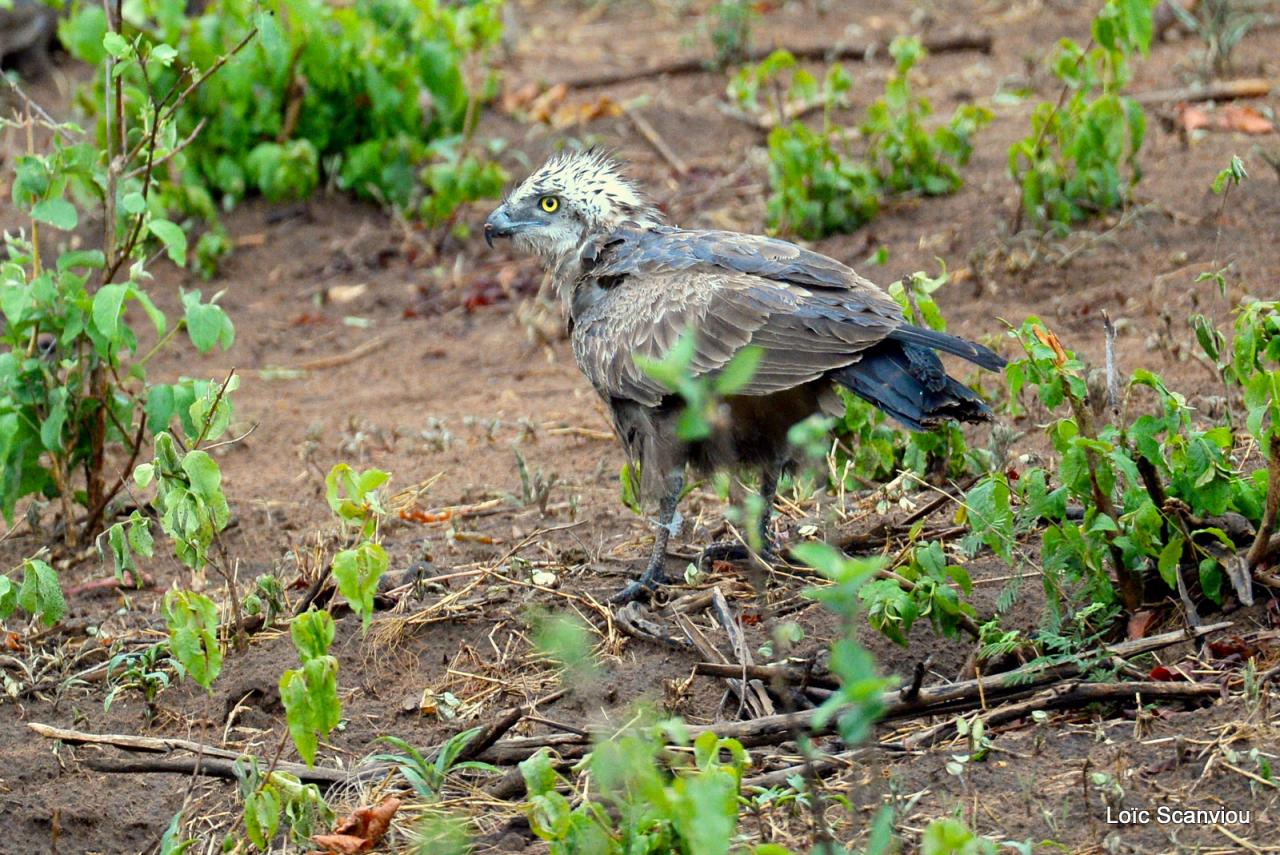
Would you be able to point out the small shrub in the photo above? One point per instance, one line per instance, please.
(1153, 487)
(1074, 162)
(730, 32)
(907, 157)
(372, 95)
(818, 188)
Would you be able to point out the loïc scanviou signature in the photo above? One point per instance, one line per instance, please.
(1169, 815)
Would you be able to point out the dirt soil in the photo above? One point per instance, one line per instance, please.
(364, 341)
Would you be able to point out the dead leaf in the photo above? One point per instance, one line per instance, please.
(1140, 624)
(347, 844)
(1048, 339)
(1192, 118)
(516, 99)
(1232, 117)
(581, 113)
(1246, 120)
(344, 293)
(361, 830)
(541, 108)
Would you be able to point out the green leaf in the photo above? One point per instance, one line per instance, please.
(192, 620)
(173, 238)
(116, 45)
(1170, 557)
(207, 324)
(41, 595)
(739, 371)
(133, 203)
(310, 698)
(57, 212)
(357, 572)
(108, 305)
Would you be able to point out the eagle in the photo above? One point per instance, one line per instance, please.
(631, 286)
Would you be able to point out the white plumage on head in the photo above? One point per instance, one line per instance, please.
(593, 187)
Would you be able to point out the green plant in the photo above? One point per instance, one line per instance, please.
(892, 607)
(192, 620)
(636, 805)
(39, 595)
(1221, 25)
(859, 701)
(73, 385)
(171, 842)
(731, 31)
(310, 693)
(702, 395)
(189, 502)
(952, 836)
(908, 158)
(427, 777)
(146, 670)
(816, 190)
(267, 599)
(1071, 165)
(373, 95)
(353, 497)
(1154, 488)
(269, 798)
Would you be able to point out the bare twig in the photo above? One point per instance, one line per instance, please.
(1219, 90)
(659, 144)
(934, 43)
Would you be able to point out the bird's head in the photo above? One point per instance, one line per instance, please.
(571, 197)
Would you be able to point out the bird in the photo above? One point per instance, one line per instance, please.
(631, 285)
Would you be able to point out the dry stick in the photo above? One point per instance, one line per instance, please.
(1073, 694)
(659, 144)
(747, 694)
(344, 358)
(931, 701)
(1262, 540)
(206, 754)
(1221, 90)
(496, 729)
(213, 767)
(823, 764)
(753, 689)
(945, 43)
(772, 673)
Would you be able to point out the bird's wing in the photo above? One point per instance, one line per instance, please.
(808, 313)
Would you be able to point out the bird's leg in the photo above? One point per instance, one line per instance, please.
(732, 550)
(668, 524)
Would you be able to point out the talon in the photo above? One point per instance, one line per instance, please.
(637, 591)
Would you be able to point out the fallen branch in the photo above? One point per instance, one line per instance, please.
(934, 700)
(979, 40)
(209, 760)
(1220, 90)
(498, 728)
(774, 674)
(659, 144)
(212, 767)
(1071, 695)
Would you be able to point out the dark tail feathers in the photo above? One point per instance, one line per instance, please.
(981, 356)
(908, 381)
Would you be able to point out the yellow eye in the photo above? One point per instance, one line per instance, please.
(550, 204)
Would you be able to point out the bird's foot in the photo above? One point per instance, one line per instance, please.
(640, 590)
(734, 552)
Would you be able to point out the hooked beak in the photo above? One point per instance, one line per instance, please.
(500, 225)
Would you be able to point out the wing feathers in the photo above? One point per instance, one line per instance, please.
(810, 314)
